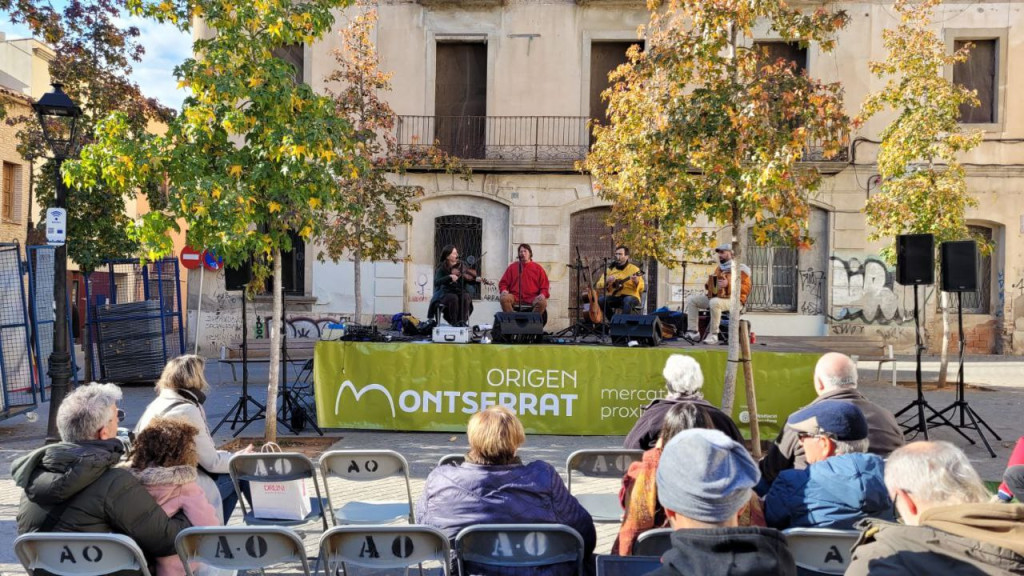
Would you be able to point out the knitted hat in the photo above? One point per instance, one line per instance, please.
(705, 476)
(836, 418)
(727, 247)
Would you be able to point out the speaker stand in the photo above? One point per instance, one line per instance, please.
(239, 413)
(961, 405)
(921, 427)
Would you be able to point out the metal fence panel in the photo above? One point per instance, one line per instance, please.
(41, 314)
(17, 373)
(134, 315)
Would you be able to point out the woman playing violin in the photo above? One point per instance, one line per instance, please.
(454, 286)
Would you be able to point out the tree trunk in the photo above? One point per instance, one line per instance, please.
(944, 351)
(735, 285)
(748, 381)
(357, 261)
(276, 332)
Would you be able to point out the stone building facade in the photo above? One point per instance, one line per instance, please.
(510, 85)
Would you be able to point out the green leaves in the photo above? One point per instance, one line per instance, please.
(704, 129)
(924, 188)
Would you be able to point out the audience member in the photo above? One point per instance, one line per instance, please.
(181, 393)
(493, 486)
(949, 525)
(1014, 480)
(164, 460)
(684, 380)
(835, 378)
(76, 486)
(704, 479)
(841, 483)
(639, 494)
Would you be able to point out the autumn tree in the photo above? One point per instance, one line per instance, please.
(704, 124)
(378, 204)
(923, 184)
(94, 54)
(253, 157)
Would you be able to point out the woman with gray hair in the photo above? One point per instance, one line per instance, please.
(684, 380)
(181, 393)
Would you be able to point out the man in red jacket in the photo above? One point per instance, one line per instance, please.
(524, 281)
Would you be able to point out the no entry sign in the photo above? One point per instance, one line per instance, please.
(191, 258)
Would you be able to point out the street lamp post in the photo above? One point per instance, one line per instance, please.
(58, 116)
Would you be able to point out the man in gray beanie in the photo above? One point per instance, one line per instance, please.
(704, 478)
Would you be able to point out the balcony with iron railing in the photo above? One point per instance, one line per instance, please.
(530, 143)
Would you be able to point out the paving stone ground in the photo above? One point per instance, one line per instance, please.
(1000, 402)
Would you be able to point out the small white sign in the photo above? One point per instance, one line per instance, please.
(56, 226)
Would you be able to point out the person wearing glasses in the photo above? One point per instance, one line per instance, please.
(181, 393)
(949, 525)
(77, 486)
(842, 483)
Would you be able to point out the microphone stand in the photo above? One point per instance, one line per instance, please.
(519, 298)
(604, 309)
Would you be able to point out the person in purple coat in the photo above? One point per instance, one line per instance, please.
(493, 486)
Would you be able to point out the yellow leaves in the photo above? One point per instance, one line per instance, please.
(275, 28)
(255, 80)
(183, 84)
(327, 154)
(215, 192)
(273, 207)
(314, 203)
(235, 171)
(306, 232)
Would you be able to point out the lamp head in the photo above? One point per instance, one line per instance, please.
(58, 115)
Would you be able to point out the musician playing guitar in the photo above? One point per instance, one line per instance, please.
(621, 284)
(716, 298)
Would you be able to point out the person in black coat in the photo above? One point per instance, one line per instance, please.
(450, 290)
(75, 485)
(684, 380)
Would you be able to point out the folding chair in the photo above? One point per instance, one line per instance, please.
(654, 542)
(79, 554)
(601, 463)
(259, 469)
(451, 460)
(365, 466)
(383, 548)
(614, 565)
(517, 545)
(235, 548)
(821, 550)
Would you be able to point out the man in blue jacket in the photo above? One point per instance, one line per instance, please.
(842, 482)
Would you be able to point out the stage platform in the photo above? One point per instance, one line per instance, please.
(555, 388)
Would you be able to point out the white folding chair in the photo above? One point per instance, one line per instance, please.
(517, 545)
(451, 460)
(653, 542)
(349, 466)
(383, 548)
(259, 469)
(79, 554)
(606, 464)
(237, 548)
(821, 550)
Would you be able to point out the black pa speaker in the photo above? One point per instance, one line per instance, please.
(517, 327)
(959, 266)
(644, 329)
(915, 259)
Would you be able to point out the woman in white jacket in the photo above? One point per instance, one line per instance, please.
(181, 393)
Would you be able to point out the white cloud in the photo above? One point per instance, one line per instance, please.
(165, 46)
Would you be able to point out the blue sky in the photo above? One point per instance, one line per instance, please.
(166, 47)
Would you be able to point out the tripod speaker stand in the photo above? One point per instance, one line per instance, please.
(915, 265)
(959, 274)
(239, 413)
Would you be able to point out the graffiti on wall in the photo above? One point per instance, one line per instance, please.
(812, 292)
(863, 291)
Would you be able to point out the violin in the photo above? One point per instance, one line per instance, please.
(468, 273)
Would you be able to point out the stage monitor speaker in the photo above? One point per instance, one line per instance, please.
(959, 266)
(517, 327)
(915, 259)
(644, 329)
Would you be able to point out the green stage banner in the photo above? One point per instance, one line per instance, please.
(570, 390)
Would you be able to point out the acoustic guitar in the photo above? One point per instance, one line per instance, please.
(594, 312)
(617, 284)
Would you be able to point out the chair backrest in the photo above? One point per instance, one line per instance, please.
(241, 548)
(821, 550)
(654, 542)
(383, 547)
(452, 460)
(79, 554)
(272, 467)
(615, 565)
(601, 463)
(364, 466)
(518, 545)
